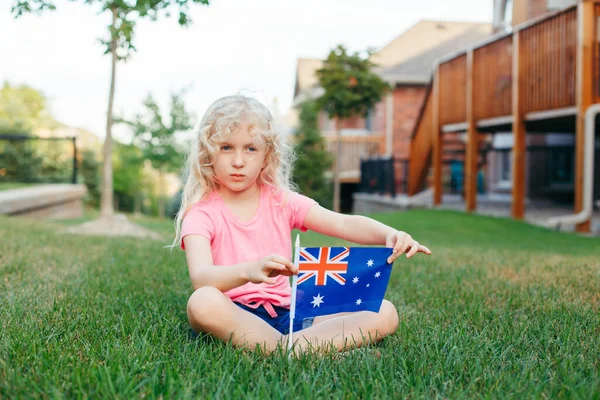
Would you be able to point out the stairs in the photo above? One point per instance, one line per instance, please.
(421, 147)
(454, 149)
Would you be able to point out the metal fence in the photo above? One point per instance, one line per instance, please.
(385, 176)
(32, 159)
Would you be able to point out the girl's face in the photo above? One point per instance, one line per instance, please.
(239, 161)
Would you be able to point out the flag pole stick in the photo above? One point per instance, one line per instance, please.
(293, 301)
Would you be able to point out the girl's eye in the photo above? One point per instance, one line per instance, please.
(251, 149)
(225, 147)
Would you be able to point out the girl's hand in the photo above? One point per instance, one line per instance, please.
(402, 242)
(265, 270)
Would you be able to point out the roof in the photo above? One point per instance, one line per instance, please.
(423, 36)
(418, 69)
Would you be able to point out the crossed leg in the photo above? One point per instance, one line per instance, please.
(211, 311)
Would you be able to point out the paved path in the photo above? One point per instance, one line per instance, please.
(39, 197)
(536, 212)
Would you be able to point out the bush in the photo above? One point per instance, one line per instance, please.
(313, 160)
(20, 162)
(89, 170)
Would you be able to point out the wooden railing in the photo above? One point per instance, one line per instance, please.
(453, 93)
(548, 67)
(492, 79)
(355, 148)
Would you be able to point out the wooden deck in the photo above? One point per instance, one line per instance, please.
(541, 77)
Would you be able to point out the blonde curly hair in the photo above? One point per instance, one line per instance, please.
(220, 119)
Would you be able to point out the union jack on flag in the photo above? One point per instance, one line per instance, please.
(329, 262)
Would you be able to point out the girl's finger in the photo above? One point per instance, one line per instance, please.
(413, 250)
(399, 244)
(392, 258)
(425, 250)
(293, 269)
(287, 264)
(275, 265)
(405, 243)
(284, 261)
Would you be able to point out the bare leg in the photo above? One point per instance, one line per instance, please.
(347, 330)
(211, 311)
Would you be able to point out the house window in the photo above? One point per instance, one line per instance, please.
(502, 143)
(369, 120)
(505, 167)
(561, 166)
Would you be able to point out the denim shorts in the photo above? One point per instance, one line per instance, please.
(282, 321)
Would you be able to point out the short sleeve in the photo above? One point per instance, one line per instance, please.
(197, 222)
(299, 207)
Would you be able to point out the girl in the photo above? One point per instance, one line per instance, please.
(237, 212)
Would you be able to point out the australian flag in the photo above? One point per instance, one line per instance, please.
(341, 279)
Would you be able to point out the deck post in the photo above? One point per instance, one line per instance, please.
(437, 140)
(472, 141)
(519, 150)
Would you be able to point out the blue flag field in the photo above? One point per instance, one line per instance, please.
(341, 279)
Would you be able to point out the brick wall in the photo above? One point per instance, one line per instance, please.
(327, 127)
(525, 10)
(352, 123)
(536, 8)
(379, 117)
(407, 104)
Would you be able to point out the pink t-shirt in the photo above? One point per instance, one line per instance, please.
(267, 232)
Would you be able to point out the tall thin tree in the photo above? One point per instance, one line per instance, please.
(350, 89)
(124, 16)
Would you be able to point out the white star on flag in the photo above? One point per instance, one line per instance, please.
(358, 302)
(370, 263)
(368, 284)
(355, 279)
(317, 300)
(377, 274)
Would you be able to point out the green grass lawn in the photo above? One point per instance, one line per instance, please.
(15, 185)
(502, 309)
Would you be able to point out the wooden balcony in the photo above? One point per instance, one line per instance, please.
(541, 77)
(353, 150)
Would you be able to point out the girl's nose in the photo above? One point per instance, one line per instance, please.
(238, 160)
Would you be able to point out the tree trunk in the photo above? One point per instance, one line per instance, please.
(107, 175)
(161, 192)
(336, 169)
